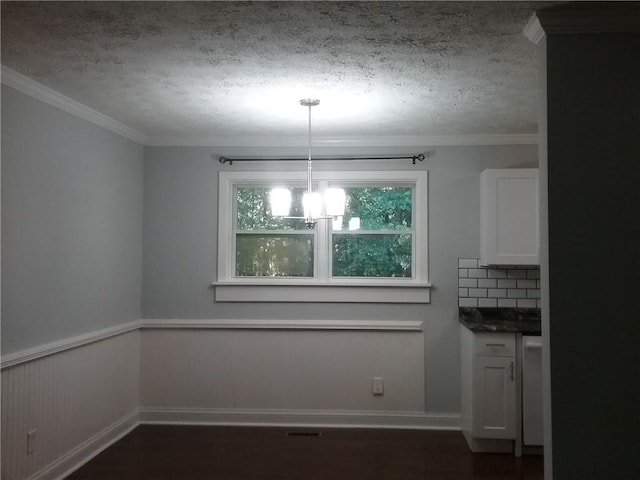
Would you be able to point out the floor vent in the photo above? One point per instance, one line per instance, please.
(303, 434)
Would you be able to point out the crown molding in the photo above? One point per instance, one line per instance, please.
(38, 91)
(363, 141)
(534, 31)
(590, 17)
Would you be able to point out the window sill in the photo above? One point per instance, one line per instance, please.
(321, 292)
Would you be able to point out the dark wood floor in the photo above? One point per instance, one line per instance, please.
(245, 453)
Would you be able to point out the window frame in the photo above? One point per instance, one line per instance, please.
(321, 287)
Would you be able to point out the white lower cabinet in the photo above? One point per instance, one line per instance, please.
(494, 407)
(489, 379)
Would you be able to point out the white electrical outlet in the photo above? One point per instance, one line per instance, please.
(31, 441)
(377, 386)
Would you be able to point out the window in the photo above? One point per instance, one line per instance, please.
(375, 252)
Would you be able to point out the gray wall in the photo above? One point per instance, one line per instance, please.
(593, 129)
(180, 236)
(71, 225)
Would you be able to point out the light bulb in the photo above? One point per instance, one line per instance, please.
(280, 201)
(312, 203)
(334, 199)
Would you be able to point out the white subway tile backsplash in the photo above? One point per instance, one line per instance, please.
(516, 293)
(468, 282)
(497, 286)
(527, 284)
(477, 292)
(507, 283)
(467, 263)
(533, 293)
(488, 302)
(467, 302)
(487, 283)
(516, 274)
(497, 293)
(526, 303)
(477, 273)
(493, 273)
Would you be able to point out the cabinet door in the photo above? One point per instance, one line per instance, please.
(494, 410)
(509, 217)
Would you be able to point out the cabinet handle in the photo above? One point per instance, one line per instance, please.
(511, 371)
(496, 344)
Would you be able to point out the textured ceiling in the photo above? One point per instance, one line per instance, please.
(194, 69)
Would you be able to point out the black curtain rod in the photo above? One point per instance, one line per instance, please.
(420, 157)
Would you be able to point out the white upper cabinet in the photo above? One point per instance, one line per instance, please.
(509, 220)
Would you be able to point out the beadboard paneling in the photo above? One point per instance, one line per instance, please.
(281, 370)
(70, 397)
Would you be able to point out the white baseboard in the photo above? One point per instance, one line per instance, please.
(300, 418)
(88, 449)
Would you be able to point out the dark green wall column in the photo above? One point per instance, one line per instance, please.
(590, 157)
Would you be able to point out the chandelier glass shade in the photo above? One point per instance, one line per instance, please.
(280, 199)
(333, 200)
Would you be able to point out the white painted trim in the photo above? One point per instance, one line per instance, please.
(590, 17)
(534, 31)
(355, 141)
(40, 92)
(238, 292)
(71, 461)
(322, 288)
(56, 99)
(301, 418)
(30, 354)
(378, 325)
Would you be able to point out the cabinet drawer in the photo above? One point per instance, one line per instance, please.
(495, 344)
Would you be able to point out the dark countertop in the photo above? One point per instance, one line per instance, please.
(509, 320)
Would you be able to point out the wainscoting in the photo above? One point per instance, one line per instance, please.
(78, 400)
(285, 377)
(289, 370)
(82, 394)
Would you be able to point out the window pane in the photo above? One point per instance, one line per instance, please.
(253, 210)
(274, 255)
(378, 208)
(371, 255)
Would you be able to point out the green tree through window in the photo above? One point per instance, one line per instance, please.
(380, 246)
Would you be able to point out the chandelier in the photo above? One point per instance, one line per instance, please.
(333, 199)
